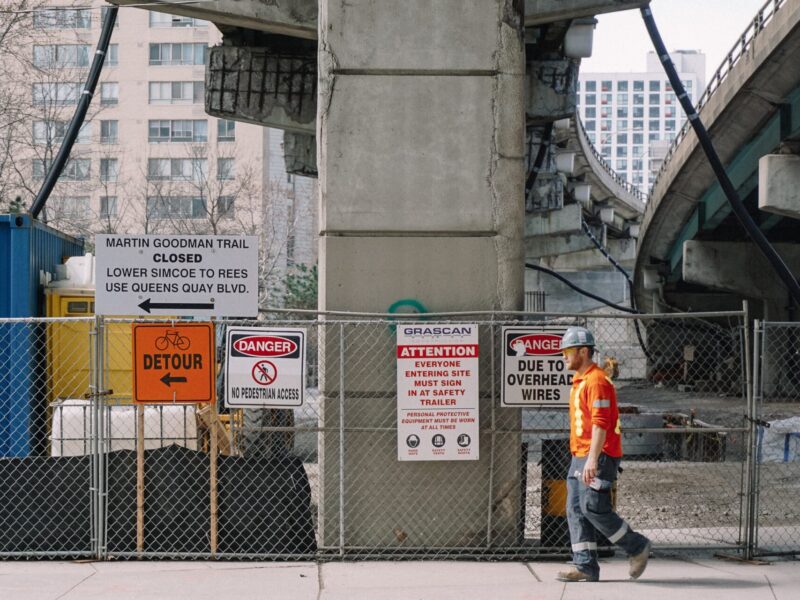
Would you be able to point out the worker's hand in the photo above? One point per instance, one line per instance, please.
(589, 470)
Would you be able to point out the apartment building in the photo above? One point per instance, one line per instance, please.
(629, 117)
(149, 159)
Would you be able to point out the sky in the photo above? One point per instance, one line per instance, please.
(621, 42)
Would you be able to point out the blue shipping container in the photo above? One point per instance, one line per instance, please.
(28, 249)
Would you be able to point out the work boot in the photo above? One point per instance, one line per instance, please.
(638, 562)
(575, 575)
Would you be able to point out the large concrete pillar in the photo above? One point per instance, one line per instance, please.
(420, 151)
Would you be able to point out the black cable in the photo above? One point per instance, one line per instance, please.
(80, 114)
(547, 136)
(567, 282)
(734, 200)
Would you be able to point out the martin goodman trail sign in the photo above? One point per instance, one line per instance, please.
(176, 275)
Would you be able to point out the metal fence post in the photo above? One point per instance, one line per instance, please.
(97, 446)
(341, 439)
(492, 445)
(754, 393)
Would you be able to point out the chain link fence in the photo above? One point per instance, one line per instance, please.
(776, 493)
(87, 472)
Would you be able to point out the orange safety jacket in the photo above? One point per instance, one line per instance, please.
(593, 401)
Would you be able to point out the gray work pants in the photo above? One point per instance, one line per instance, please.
(589, 511)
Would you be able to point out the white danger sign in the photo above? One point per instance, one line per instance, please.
(534, 372)
(437, 392)
(176, 275)
(265, 367)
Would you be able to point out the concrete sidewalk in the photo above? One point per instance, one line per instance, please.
(665, 578)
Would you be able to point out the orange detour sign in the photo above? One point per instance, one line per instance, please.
(173, 363)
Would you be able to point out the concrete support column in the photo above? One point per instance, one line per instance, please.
(420, 129)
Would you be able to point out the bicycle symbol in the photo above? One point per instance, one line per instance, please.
(264, 372)
(173, 338)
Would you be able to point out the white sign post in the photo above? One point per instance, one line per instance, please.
(176, 275)
(534, 372)
(265, 367)
(437, 392)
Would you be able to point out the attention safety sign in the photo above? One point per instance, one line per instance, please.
(437, 392)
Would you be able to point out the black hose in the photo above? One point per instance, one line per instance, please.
(75, 124)
(734, 200)
(567, 282)
(547, 135)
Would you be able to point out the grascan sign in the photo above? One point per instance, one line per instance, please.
(177, 275)
(437, 392)
(265, 367)
(534, 372)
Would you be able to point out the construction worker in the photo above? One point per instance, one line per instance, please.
(596, 445)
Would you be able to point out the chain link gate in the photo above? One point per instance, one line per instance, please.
(775, 505)
(102, 477)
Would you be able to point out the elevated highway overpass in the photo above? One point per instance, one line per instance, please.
(693, 253)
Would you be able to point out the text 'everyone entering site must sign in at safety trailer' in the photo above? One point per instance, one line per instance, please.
(437, 392)
(534, 372)
(177, 275)
(265, 367)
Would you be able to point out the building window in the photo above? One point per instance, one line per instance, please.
(638, 99)
(669, 125)
(225, 168)
(622, 138)
(652, 137)
(592, 137)
(622, 86)
(622, 151)
(638, 86)
(109, 93)
(177, 169)
(61, 56)
(112, 56)
(622, 165)
(605, 112)
(176, 92)
(76, 169)
(622, 99)
(178, 131)
(226, 129)
(605, 125)
(68, 18)
(638, 124)
(605, 151)
(622, 112)
(108, 207)
(654, 112)
(591, 99)
(605, 98)
(109, 131)
(669, 112)
(605, 138)
(70, 206)
(53, 132)
(654, 125)
(638, 112)
(591, 86)
(655, 86)
(160, 20)
(590, 125)
(605, 86)
(178, 54)
(225, 206)
(637, 164)
(654, 99)
(181, 207)
(637, 151)
(638, 138)
(591, 112)
(109, 169)
(56, 94)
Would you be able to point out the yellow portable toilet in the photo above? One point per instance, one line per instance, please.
(69, 344)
